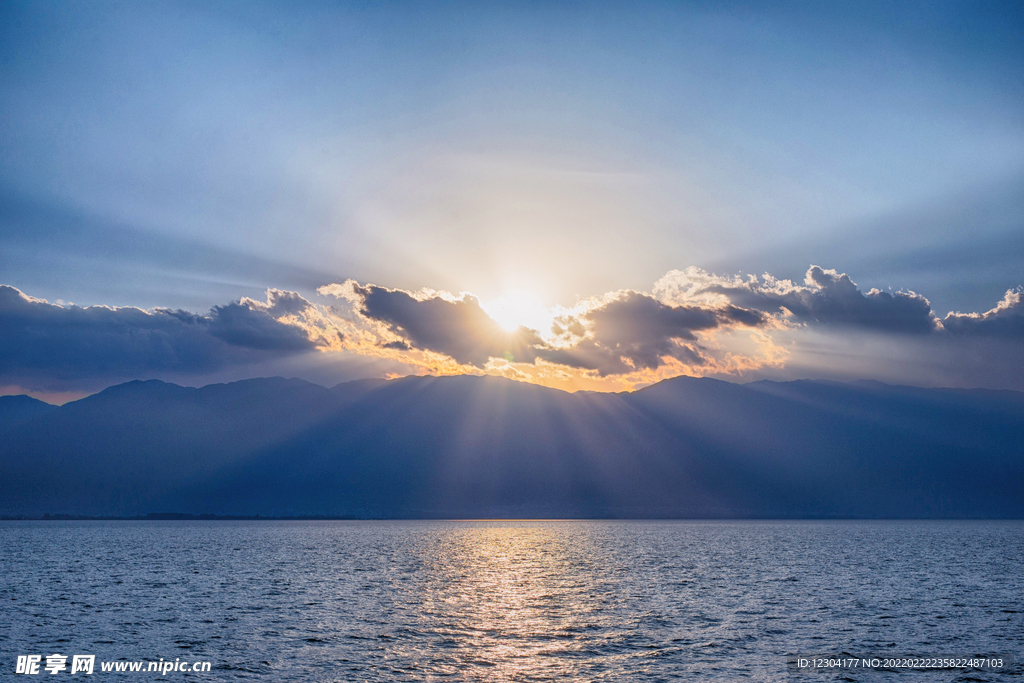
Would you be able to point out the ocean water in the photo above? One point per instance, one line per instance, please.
(511, 601)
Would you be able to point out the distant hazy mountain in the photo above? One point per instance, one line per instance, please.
(487, 447)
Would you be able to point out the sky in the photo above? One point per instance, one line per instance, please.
(583, 195)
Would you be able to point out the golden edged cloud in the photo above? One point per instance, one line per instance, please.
(616, 341)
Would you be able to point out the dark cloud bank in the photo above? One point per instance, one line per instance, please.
(54, 345)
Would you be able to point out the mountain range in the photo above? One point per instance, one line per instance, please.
(483, 447)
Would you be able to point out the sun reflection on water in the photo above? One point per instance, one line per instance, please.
(508, 597)
(520, 601)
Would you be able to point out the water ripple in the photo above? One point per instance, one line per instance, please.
(512, 601)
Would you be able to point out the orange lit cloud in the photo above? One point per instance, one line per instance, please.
(615, 342)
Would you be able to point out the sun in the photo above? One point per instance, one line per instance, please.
(518, 309)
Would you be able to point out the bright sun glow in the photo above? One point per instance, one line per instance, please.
(517, 309)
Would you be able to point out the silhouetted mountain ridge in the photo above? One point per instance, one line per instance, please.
(16, 410)
(469, 446)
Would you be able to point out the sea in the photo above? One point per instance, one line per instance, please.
(513, 600)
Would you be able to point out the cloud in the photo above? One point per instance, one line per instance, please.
(834, 330)
(279, 303)
(622, 333)
(1005, 321)
(827, 297)
(458, 328)
(692, 322)
(636, 331)
(41, 342)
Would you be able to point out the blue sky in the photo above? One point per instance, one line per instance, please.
(186, 155)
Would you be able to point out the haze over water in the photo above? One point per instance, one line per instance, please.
(512, 601)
